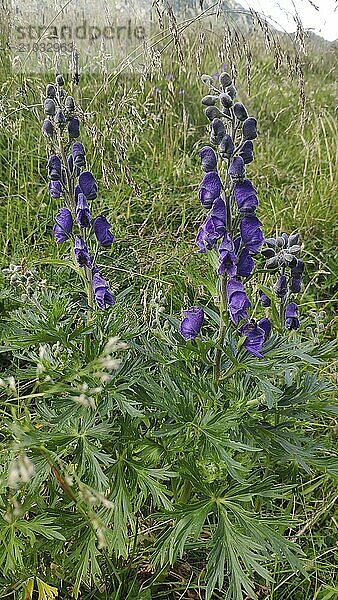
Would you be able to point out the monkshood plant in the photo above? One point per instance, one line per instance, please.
(233, 232)
(77, 187)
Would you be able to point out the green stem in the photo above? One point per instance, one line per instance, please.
(221, 333)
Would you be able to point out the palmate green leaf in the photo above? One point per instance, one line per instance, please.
(46, 592)
(85, 560)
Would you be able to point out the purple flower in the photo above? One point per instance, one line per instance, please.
(103, 296)
(250, 128)
(265, 324)
(226, 147)
(265, 300)
(208, 159)
(54, 188)
(251, 233)
(82, 211)
(213, 227)
(255, 338)
(63, 225)
(245, 264)
(81, 253)
(181, 91)
(47, 128)
(210, 189)
(79, 154)
(240, 111)
(102, 233)
(281, 287)
(227, 257)
(296, 277)
(74, 128)
(169, 77)
(292, 316)
(246, 152)
(245, 196)
(88, 185)
(217, 131)
(237, 300)
(192, 322)
(237, 169)
(54, 168)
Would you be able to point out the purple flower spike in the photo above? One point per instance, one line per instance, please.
(237, 169)
(81, 253)
(208, 159)
(251, 233)
(227, 257)
(63, 225)
(246, 152)
(74, 128)
(102, 233)
(265, 300)
(292, 316)
(79, 154)
(210, 189)
(192, 322)
(265, 324)
(103, 296)
(250, 128)
(237, 300)
(54, 168)
(88, 185)
(82, 212)
(54, 188)
(245, 264)
(245, 196)
(255, 338)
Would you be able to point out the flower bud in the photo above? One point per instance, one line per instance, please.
(250, 128)
(226, 100)
(270, 242)
(217, 131)
(294, 249)
(293, 239)
(237, 169)
(240, 111)
(212, 112)
(50, 91)
(231, 90)
(47, 128)
(281, 287)
(207, 79)
(59, 80)
(246, 152)
(60, 118)
(290, 260)
(208, 159)
(209, 100)
(272, 263)
(285, 238)
(49, 107)
(268, 252)
(265, 300)
(74, 128)
(226, 147)
(69, 103)
(225, 80)
(280, 242)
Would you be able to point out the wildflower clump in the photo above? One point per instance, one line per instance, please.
(232, 228)
(77, 188)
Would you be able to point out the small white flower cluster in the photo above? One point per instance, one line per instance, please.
(107, 362)
(20, 471)
(9, 383)
(23, 278)
(157, 305)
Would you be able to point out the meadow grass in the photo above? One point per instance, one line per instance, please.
(143, 135)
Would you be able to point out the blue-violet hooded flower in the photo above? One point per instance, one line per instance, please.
(292, 316)
(83, 216)
(54, 168)
(237, 169)
(255, 338)
(102, 231)
(210, 189)
(88, 185)
(238, 302)
(245, 196)
(213, 227)
(54, 188)
(103, 296)
(192, 322)
(81, 253)
(63, 225)
(251, 233)
(208, 159)
(227, 257)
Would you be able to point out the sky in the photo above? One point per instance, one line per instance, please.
(323, 21)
